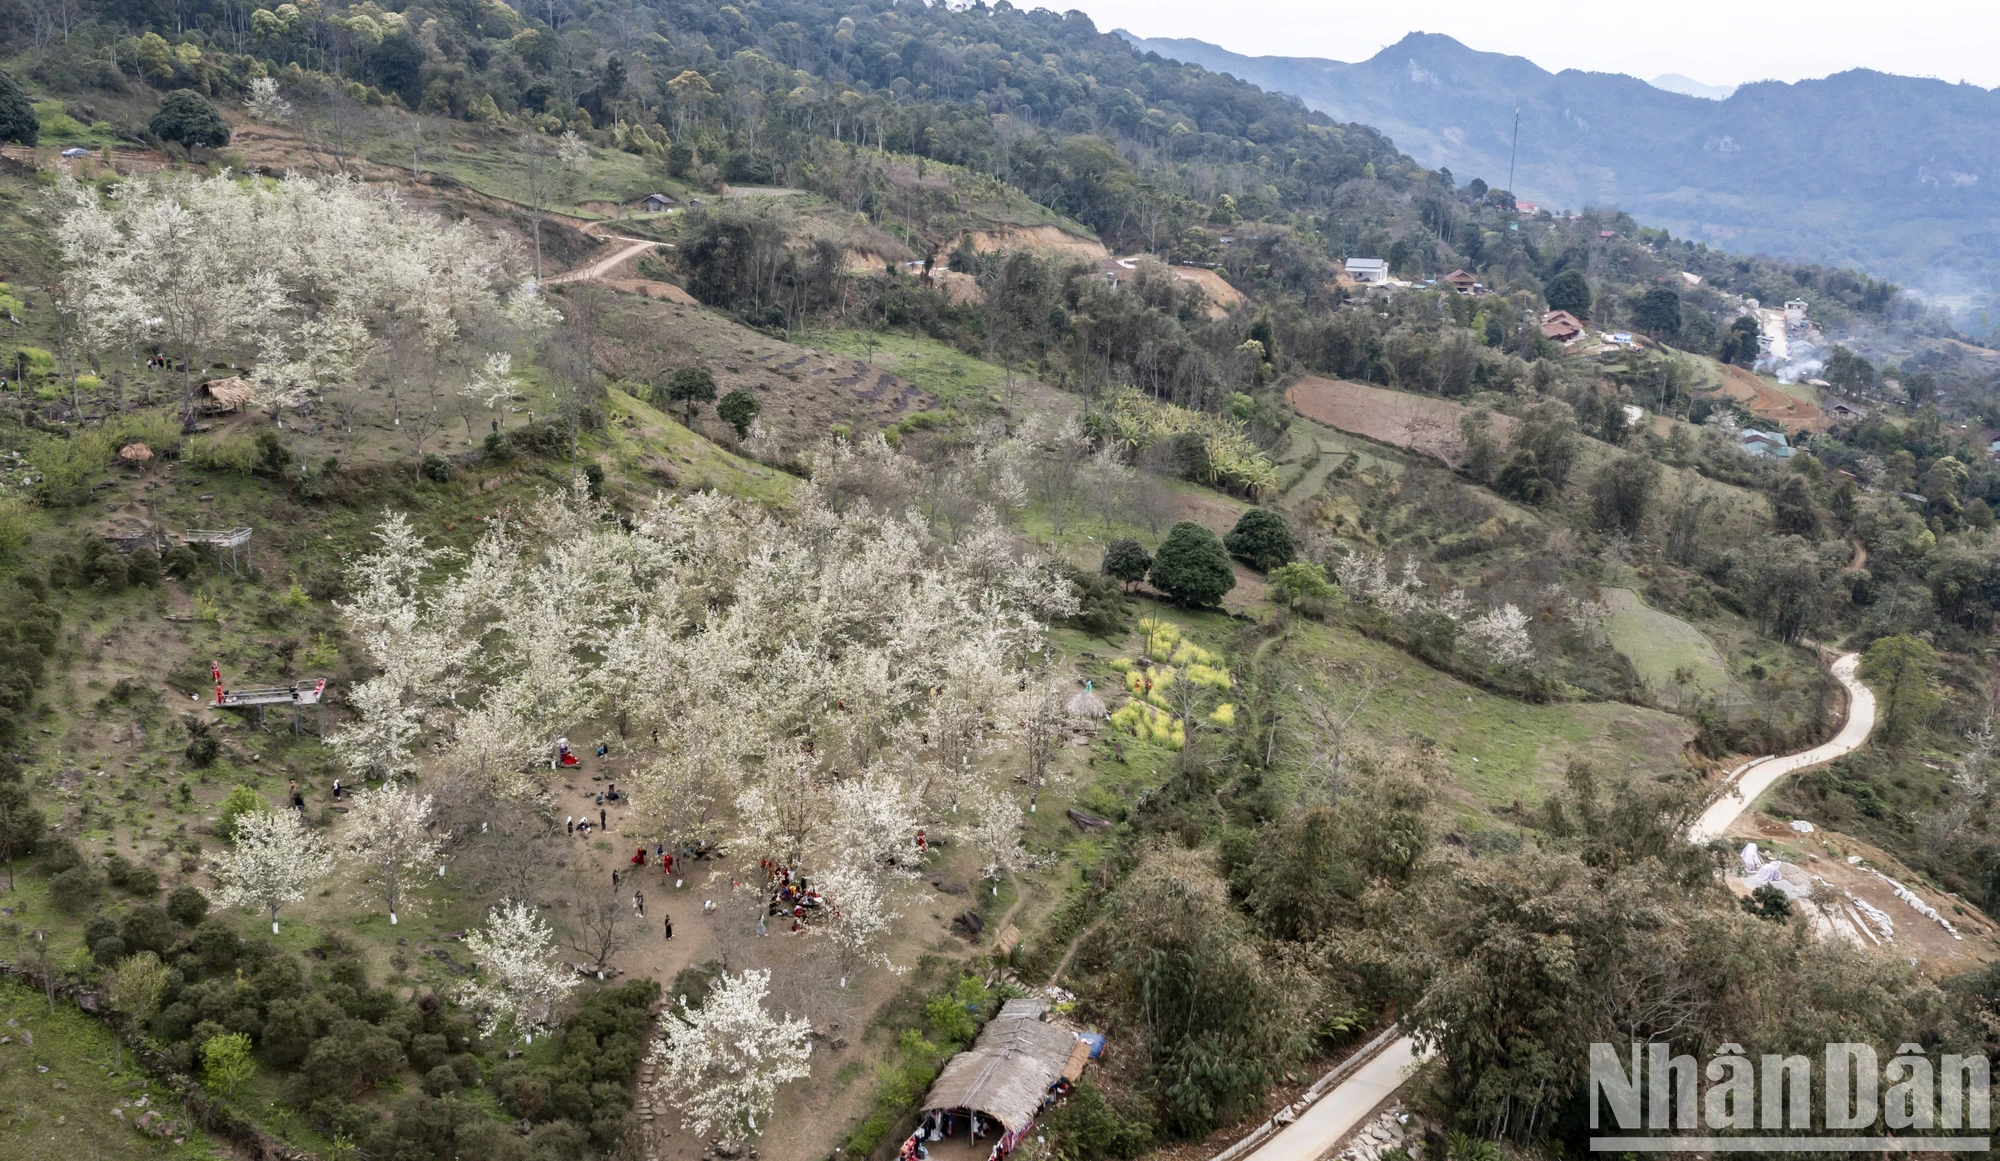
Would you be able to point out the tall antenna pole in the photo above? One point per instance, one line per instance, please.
(1514, 150)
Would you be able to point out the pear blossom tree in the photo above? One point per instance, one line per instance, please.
(996, 834)
(389, 832)
(520, 980)
(859, 912)
(721, 1064)
(274, 859)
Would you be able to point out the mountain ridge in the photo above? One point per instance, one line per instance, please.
(1899, 175)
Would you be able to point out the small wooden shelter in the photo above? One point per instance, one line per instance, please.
(229, 394)
(1006, 1075)
(135, 453)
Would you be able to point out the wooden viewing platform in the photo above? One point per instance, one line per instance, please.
(312, 693)
(221, 538)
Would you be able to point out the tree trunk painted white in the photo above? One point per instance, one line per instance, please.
(274, 927)
(392, 919)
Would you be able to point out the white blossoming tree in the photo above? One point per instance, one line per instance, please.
(1502, 635)
(520, 980)
(859, 912)
(389, 831)
(265, 104)
(996, 834)
(273, 861)
(721, 1064)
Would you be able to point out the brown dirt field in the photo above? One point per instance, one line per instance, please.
(803, 391)
(1049, 239)
(1415, 423)
(1222, 297)
(1767, 402)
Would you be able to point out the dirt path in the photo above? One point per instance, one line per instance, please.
(1070, 953)
(592, 271)
(1860, 560)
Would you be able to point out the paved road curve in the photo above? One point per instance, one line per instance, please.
(1328, 1121)
(1760, 776)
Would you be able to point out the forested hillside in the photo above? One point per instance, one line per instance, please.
(1887, 173)
(817, 522)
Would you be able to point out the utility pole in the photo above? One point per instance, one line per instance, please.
(1514, 150)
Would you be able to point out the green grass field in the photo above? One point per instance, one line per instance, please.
(958, 380)
(1658, 644)
(1499, 749)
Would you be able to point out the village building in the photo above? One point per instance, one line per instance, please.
(1462, 282)
(1764, 444)
(1007, 1075)
(1562, 327)
(656, 203)
(1371, 271)
(1842, 411)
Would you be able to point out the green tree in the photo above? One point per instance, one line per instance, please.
(1126, 560)
(1659, 311)
(738, 409)
(136, 988)
(17, 116)
(185, 116)
(1899, 668)
(1260, 540)
(226, 1062)
(1192, 567)
(22, 823)
(241, 801)
(690, 387)
(1621, 493)
(1569, 291)
(1521, 479)
(1793, 508)
(1740, 344)
(1303, 586)
(187, 906)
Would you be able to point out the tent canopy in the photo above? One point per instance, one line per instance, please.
(1007, 1072)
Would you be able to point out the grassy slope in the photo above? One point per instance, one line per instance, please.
(56, 1096)
(1658, 643)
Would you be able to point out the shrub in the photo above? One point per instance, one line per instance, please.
(593, 477)
(497, 448)
(143, 567)
(241, 800)
(1087, 1127)
(226, 1062)
(187, 906)
(147, 928)
(202, 750)
(737, 409)
(17, 116)
(436, 469)
(1101, 606)
(68, 466)
(108, 951)
(1127, 560)
(440, 1081)
(186, 117)
(14, 516)
(1260, 540)
(130, 876)
(233, 454)
(1191, 566)
(77, 888)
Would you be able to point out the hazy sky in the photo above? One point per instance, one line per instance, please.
(1716, 42)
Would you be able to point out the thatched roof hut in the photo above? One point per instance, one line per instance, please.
(224, 394)
(135, 453)
(1086, 705)
(1007, 1072)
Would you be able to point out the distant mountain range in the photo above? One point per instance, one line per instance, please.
(1897, 175)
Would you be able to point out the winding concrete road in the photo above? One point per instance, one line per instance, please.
(1326, 1122)
(1759, 776)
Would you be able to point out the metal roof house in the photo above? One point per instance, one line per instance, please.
(1374, 271)
(1764, 444)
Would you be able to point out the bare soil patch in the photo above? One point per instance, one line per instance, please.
(1415, 423)
(1047, 239)
(1767, 402)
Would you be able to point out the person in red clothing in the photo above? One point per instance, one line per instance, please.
(639, 857)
